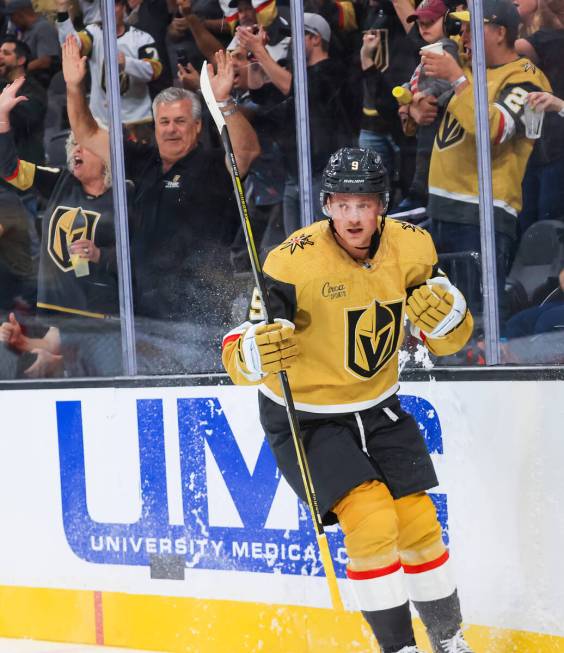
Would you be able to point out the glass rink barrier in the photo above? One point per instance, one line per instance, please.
(400, 164)
(143, 272)
(60, 300)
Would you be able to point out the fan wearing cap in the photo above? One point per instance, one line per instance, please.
(317, 38)
(339, 290)
(453, 178)
(429, 17)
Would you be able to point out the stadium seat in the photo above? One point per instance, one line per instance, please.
(539, 257)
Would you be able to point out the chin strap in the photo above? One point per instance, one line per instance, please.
(376, 238)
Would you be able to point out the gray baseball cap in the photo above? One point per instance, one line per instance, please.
(316, 24)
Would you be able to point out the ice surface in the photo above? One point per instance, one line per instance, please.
(30, 646)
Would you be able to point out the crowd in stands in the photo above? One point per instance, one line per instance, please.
(384, 74)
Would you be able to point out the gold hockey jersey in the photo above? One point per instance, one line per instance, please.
(349, 316)
(454, 168)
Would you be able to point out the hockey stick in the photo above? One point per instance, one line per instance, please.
(286, 392)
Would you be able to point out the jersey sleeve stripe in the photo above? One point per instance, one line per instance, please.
(86, 41)
(235, 334)
(230, 338)
(346, 15)
(23, 176)
(500, 129)
(15, 173)
(507, 125)
(156, 66)
(267, 6)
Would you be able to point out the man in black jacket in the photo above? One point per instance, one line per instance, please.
(27, 124)
(27, 117)
(184, 217)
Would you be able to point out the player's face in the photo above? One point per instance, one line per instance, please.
(355, 218)
(431, 30)
(176, 131)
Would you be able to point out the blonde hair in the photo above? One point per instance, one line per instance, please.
(70, 144)
(550, 14)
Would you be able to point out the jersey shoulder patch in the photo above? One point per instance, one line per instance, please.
(297, 242)
(407, 226)
(289, 260)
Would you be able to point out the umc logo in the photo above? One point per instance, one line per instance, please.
(203, 431)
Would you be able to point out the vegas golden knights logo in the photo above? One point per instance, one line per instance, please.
(372, 336)
(450, 132)
(123, 81)
(67, 225)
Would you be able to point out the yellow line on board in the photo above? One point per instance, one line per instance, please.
(50, 614)
(188, 625)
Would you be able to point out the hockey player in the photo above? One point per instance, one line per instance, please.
(339, 290)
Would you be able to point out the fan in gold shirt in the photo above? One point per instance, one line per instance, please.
(453, 176)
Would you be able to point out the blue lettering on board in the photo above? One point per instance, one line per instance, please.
(250, 547)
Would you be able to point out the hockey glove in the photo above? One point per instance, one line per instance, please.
(436, 308)
(269, 348)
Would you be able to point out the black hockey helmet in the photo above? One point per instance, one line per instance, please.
(355, 170)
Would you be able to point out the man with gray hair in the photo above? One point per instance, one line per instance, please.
(184, 213)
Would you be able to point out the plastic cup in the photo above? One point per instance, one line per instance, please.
(437, 48)
(80, 265)
(533, 121)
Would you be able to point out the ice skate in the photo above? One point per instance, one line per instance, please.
(456, 644)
